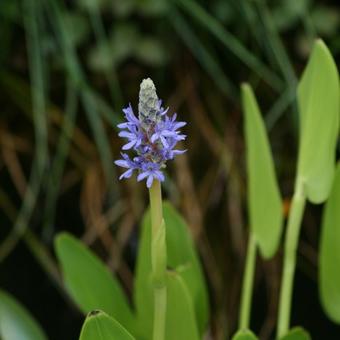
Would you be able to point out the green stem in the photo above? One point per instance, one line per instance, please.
(159, 313)
(158, 259)
(248, 280)
(291, 243)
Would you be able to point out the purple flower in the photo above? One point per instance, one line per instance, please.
(152, 136)
(166, 131)
(150, 171)
(127, 163)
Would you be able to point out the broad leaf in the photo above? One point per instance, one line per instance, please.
(318, 101)
(244, 335)
(16, 323)
(329, 260)
(264, 199)
(180, 253)
(99, 326)
(297, 333)
(180, 318)
(89, 282)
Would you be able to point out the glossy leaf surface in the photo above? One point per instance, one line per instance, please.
(99, 326)
(329, 258)
(264, 199)
(89, 282)
(318, 101)
(180, 319)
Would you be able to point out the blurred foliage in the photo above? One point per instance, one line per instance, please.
(66, 70)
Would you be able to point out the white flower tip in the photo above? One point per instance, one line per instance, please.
(146, 84)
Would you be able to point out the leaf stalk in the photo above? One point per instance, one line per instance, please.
(248, 282)
(290, 248)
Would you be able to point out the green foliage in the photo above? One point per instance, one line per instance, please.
(264, 200)
(158, 259)
(180, 314)
(99, 326)
(103, 36)
(89, 282)
(329, 258)
(181, 255)
(296, 333)
(229, 41)
(244, 335)
(16, 323)
(92, 286)
(318, 100)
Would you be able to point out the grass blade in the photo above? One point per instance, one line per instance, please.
(32, 18)
(231, 42)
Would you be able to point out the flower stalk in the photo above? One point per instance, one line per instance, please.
(152, 136)
(158, 260)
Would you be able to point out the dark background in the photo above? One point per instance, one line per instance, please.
(66, 70)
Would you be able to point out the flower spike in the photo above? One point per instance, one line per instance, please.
(152, 136)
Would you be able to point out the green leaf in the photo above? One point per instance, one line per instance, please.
(244, 335)
(180, 253)
(180, 318)
(264, 199)
(99, 326)
(318, 100)
(329, 258)
(297, 333)
(89, 282)
(16, 323)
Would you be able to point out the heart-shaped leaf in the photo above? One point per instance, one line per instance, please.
(329, 258)
(264, 199)
(16, 323)
(89, 282)
(99, 326)
(318, 101)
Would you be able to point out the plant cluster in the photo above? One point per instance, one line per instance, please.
(171, 297)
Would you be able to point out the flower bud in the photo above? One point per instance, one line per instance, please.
(148, 106)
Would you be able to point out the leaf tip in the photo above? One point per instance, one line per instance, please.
(245, 87)
(95, 312)
(60, 238)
